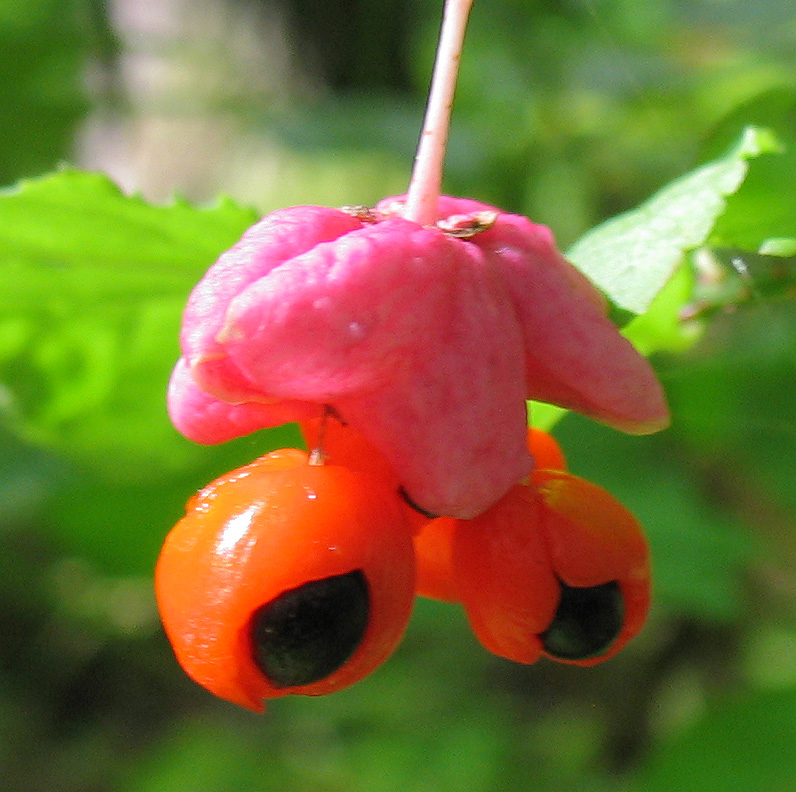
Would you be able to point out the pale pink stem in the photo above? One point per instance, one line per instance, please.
(426, 182)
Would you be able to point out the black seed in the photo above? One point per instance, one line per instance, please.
(587, 622)
(307, 633)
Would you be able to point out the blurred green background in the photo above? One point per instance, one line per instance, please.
(568, 111)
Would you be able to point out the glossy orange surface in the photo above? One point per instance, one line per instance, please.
(267, 528)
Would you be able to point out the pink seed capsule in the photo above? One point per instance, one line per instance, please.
(426, 341)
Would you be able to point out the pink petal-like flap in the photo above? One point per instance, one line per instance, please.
(206, 419)
(411, 336)
(575, 356)
(428, 344)
(277, 238)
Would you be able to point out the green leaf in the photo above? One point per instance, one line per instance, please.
(765, 205)
(68, 222)
(779, 246)
(632, 256)
(544, 416)
(662, 328)
(94, 287)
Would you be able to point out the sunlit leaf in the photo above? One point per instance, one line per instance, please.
(765, 205)
(632, 256)
(94, 286)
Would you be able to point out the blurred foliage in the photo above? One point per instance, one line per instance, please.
(43, 51)
(568, 110)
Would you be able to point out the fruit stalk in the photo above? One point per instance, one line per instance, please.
(426, 181)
